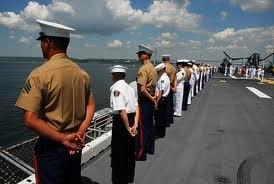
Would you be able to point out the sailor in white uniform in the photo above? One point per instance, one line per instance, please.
(124, 106)
(162, 101)
(197, 76)
(178, 96)
(191, 82)
(246, 72)
(201, 77)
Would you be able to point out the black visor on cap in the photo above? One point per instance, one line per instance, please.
(141, 51)
(41, 35)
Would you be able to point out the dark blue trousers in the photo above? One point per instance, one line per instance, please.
(54, 164)
(161, 117)
(169, 111)
(185, 97)
(122, 151)
(147, 111)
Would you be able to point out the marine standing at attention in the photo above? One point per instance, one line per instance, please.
(59, 107)
(171, 72)
(162, 108)
(124, 106)
(146, 81)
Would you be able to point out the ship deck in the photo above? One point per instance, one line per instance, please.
(226, 136)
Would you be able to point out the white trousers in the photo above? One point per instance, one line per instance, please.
(189, 95)
(201, 82)
(197, 86)
(192, 89)
(178, 101)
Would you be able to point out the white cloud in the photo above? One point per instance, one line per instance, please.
(89, 45)
(104, 16)
(269, 48)
(164, 44)
(172, 13)
(24, 40)
(223, 15)
(254, 5)
(165, 40)
(242, 42)
(168, 35)
(13, 21)
(25, 19)
(12, 36)
(211, 40)
(78, 36)
(115, 44)
(230, 47)
(193, 44)
(257, 34)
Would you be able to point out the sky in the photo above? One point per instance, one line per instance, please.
(196, 29)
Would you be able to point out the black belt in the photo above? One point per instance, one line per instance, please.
(129, 114)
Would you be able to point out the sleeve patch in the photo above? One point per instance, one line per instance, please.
(27, 87)
(116, 93)
(140, 74)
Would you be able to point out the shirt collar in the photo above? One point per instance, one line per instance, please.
(58, 56)
(117, 83)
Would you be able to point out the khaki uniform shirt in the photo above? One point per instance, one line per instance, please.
(58, 91)
(171, 72)
(187, 74)
(147, 76)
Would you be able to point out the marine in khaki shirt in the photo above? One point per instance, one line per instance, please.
(58, 91)
(146, 82)
(58, 106)
(187, 73)
(171, 71)
(147, 76)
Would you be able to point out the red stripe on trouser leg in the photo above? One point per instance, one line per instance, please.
(140, 151)
(35, 166)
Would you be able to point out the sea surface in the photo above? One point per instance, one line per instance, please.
(13, 73)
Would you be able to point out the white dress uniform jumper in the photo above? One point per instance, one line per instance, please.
(178, 96)
(161, 114)
(122, 97)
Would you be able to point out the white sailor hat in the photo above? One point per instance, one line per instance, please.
(145, 48)
(166, 56)
(118, 69)
(160, 67)
(53, 29)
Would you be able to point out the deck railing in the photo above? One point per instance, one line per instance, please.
(16, 161)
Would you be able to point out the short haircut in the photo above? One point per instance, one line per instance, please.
(119, 75)
(59, 42)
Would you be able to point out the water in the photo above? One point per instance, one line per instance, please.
(13, 73)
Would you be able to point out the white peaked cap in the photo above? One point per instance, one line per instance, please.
(165, 55)
(190, 63)
(118, 69)
(145, 48)
(54, 29)
(160, 66)
(183, 61)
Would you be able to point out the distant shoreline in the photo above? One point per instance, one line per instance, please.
(89, 59)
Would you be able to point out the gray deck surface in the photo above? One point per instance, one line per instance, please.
(226, 136)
